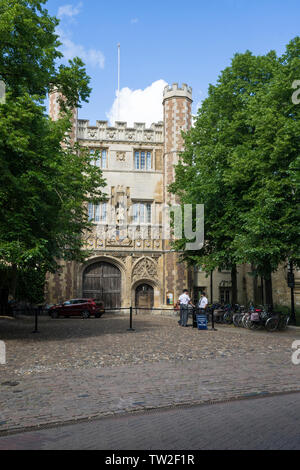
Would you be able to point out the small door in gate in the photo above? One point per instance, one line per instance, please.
(144, 296)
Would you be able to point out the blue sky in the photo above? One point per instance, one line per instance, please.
(165, 41)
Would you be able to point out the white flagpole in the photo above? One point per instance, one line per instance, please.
(118, 81)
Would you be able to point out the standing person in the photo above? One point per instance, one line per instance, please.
(184, 300)
(203, 303)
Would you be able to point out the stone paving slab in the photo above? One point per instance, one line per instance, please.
(268, 423)
(85, 369)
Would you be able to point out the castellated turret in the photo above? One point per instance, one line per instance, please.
(177, 103)
(185, 91)
(54, 113)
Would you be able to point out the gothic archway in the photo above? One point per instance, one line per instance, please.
(102, 281)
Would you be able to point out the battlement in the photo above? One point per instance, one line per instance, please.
(120, 132)
(171, 91)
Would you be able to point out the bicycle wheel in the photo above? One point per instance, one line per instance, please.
(272, 324)
(235, 320)
(249, 323)
(227, 318)
(283, 322)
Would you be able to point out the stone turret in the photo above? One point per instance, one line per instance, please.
(54, 111)
(177, 103)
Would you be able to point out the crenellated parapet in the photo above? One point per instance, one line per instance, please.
(120, 132)
(172, 91)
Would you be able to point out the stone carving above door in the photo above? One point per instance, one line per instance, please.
(145, 268)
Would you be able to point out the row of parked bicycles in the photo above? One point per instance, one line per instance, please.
(251, 317)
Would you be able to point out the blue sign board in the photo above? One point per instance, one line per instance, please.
(201, 322)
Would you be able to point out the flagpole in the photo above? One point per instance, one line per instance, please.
(119, 81)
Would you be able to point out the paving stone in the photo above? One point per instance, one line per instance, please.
(77, 369)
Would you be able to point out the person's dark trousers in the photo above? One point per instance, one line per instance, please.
(181, 314)
(184, 315)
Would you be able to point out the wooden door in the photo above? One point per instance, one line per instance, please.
(102, 281)
(144, 296)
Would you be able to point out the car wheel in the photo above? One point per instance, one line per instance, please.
(85, 314)
(98, 315)
(54, 314)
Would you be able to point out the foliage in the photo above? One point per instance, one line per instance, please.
(240, 161)
(46, 182)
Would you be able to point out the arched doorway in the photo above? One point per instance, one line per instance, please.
(144, 296)
(102, 281)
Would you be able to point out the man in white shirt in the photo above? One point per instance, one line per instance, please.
(184, 300)
(203, 303)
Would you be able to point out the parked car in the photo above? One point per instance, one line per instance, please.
(78, 307)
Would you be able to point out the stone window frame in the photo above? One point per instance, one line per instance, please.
(146, 153)
(147, 213)
(103, 162)
(92, 208)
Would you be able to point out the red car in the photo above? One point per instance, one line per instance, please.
(75, 307)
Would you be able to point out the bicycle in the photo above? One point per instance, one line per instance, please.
(278, 321)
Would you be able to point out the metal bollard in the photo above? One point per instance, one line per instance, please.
(36, 312)
(130, 320)
(213, 320)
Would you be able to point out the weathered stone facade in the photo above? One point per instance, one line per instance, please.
(145, 259)
(146, 272)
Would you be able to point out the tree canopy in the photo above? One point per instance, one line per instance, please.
(45, 186)
(240, 161)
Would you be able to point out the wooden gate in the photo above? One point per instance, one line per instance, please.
(102, 281)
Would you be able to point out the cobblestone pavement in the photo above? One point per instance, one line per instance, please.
(76, 369)
(268, 423)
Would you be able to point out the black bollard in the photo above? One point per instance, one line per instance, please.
(36, 312)
(130, 320)
(195, 312)
(213, 320)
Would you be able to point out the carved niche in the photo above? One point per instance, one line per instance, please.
(144, 269)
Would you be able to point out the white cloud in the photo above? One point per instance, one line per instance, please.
(139, 105)
(134, 20)
(92, 57)
(69, 48)
(69, 10)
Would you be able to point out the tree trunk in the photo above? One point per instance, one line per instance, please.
(13, 283)
(234, 284)
(262, 290)
(255, 286)
(268, 291)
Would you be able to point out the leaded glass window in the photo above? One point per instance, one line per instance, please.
(142, 160)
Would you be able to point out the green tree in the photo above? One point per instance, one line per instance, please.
(270, 225)
(45, 186)
(239, 161)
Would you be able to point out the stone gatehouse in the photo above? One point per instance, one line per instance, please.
(138, 165)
